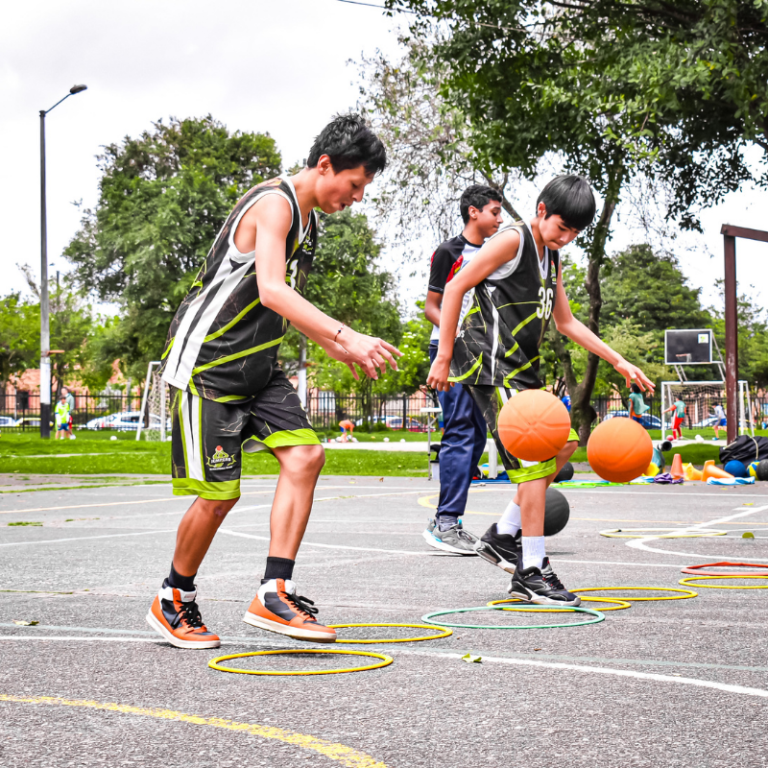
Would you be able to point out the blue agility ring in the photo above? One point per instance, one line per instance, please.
(598, 617)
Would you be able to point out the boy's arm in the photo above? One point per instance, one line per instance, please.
(497, 251)
(575, 330)
(271, 218)
(432, 307)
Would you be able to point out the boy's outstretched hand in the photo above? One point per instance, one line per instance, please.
(633, 375)
(438, 375)
(370, 353)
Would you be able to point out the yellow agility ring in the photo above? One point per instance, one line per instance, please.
(686, 593)
(688, 581)
(444, 632)
(667, 533)
(385, 661)
(620, 605)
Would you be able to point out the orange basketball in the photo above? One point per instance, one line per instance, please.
(619, 450)
(534, 425)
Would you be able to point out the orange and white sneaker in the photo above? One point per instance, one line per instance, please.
(277, 608)
(175, 615)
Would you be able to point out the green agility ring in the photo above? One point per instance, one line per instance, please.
(597, 618)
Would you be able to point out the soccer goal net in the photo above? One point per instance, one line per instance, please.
(155, 407)
(701, 399)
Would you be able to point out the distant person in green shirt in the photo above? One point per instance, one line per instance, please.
(677, 423)
(637, 406)
(63, 417)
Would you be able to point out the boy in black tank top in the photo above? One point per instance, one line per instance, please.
(230, 393)
(516, 286)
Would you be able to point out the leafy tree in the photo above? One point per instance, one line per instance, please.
(163, 197)
(536, 78)
(19, 337)
(650, 290)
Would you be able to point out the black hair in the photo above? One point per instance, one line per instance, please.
(477, 196)
(571, 198)
(349, 143)
(635, 388)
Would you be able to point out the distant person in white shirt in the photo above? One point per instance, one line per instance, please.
(721, 422)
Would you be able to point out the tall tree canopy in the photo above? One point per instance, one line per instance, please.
(162, 198)
(612, 90)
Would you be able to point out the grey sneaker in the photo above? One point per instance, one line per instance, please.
(455, 539)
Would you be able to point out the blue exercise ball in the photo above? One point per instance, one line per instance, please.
(736, 468)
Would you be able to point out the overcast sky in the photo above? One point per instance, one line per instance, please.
(277, 67)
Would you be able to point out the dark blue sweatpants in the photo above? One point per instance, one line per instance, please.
(463, 443)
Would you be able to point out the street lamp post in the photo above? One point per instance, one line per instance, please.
(45, 334)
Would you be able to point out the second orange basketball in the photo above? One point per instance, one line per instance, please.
(534, 425)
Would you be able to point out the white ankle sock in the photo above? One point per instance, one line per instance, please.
(534, 552)
(510, 522)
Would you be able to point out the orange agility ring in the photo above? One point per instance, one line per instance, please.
(619, 450)
(534, 425)
(695, 570)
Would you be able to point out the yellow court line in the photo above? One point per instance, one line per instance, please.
(351, 758)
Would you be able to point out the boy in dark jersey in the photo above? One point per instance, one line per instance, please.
(516, 285)
(464, 431)
(230, 394)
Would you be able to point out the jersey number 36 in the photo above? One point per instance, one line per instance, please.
(546, 295)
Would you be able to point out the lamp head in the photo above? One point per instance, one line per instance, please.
(77, 88)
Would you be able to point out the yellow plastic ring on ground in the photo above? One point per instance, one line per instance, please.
(621, 605)
(215, 663)
(688, 581)
(687, 593)
(671, 533)
(444, 632)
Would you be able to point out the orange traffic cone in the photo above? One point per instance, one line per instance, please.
(677, 466)
(691, 473)
(709, 463)
(710, 470)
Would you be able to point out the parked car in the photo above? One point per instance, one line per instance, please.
(646, 420)
(7, 421)
(126, 421)
(29, 422)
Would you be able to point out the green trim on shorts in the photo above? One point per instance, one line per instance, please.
(223, 491)
(537, 471)
(572, 436)
(285, 438)
(230, 398)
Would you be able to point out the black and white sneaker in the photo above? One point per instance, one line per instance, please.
(454, 539)
(500, 549)
(541, 587)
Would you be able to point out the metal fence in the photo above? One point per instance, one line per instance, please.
(21, 412)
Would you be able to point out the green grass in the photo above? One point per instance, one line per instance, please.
(19, 452)
(125, 455)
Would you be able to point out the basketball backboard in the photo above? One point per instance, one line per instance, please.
(688, 347)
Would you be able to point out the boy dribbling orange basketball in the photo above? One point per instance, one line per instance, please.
(516, 285)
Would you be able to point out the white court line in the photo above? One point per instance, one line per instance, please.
(727, 688)
(642, 543)
(230, 532)
(650, 676)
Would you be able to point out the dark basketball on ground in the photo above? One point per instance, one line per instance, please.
(556, 512)
(762, 470)
(566, 473)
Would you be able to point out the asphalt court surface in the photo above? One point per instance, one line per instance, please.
(671, 683)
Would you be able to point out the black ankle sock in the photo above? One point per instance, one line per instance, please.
(177, 581)
(279, 568)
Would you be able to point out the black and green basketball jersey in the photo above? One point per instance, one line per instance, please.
(500, 335)
(223, 342)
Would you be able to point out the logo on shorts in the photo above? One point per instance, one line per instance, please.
(220, 460)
